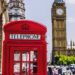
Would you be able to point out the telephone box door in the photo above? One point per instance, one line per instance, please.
(23, 61)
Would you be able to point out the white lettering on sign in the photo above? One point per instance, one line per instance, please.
(25, 36)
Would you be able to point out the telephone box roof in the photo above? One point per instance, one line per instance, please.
(25, 25)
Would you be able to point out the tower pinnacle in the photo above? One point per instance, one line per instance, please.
(59, 1)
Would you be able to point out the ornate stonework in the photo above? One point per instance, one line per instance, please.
(3, 20)
(16, 10)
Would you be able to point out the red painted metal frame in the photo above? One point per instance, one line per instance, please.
(24, 27)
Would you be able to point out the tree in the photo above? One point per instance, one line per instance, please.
(65, 60)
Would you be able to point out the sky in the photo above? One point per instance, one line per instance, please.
(40, 11)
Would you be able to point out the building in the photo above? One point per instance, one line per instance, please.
(70, 49)
(3, 20)
(58, 27)
(16, 10)
(59, 40)
(3, 12)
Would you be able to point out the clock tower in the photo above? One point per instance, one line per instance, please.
(58, 14)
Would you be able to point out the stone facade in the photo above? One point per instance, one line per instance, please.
(58, 27)
(3, 20)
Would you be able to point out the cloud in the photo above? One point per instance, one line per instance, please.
(70, 1)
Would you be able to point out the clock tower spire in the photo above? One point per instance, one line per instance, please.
(59, 1)
(58, 14)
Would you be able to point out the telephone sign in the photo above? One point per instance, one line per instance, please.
(25, 36)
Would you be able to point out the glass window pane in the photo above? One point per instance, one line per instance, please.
(16, 56)
(33, 68)
(25, 68)
(31, 55)
(25, 56)
(35, 56)
(17, 68)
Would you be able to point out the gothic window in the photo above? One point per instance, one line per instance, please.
(55, 43)
(21, 5)
(12, 11)
(59, 43)
(10, 5)
(55, 24)
(60, 24)
(15, 18)
(60, 34)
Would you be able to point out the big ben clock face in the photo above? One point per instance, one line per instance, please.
(59, 11)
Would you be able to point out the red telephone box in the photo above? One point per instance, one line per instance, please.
(24, 49)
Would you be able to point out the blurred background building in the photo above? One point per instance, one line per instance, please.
(16, 10)
(4, 18)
